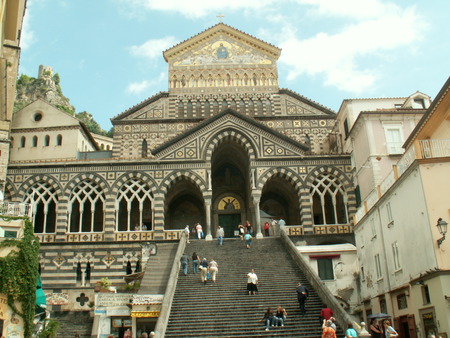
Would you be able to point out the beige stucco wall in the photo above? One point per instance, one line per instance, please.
(345, 269)
(436, 185)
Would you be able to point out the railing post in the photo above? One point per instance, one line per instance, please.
(418, 149)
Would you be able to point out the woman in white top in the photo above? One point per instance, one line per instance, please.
(213, 269)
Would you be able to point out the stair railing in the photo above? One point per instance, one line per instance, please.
(342, 317)
(163, 319)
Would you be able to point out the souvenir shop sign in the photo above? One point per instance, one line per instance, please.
(147, 299)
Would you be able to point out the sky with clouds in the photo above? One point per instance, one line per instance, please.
(108, 53)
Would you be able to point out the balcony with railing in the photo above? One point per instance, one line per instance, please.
(12, 219)
(421, 149)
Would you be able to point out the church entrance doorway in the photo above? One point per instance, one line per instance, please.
(229, 223)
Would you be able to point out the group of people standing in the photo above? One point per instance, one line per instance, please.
(273, 227)
(382, 329)
(208, 270)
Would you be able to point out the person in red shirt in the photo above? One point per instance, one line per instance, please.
(326, 313)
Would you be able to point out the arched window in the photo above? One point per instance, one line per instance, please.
(224, 104)
(59, 140)
(180, 108)
(242, 106)
(134, 206)
(86, 208)
(215, 107)
(144, 148)
(12, 142)
(259, 107)
(46, 141)
(201, 81)
(207, 108)
(198, 108)
(35, 141)
(42, 197)
(189, 109)
(268, 106)
(251, 107)
(329, 201)
(233, 104)
(23, 142)
(237, 80)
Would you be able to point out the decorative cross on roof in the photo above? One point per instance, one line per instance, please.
(220, 16)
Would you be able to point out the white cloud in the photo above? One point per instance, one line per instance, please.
(27, 37)
(137, 88)
(153, 49)
(197, 8)
(340, 57)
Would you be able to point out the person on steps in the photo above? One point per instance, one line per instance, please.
(252, 283)
(280, 316)
(302, 295)
(185, 263)
(195, 262)
(248, 240)
(213, 270)
(220, 235)
(204, 270)
(268, 318)
(327, 330)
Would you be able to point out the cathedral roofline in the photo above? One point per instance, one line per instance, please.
(202, 36)
(306, 100)
(219, 115)
(139, 106)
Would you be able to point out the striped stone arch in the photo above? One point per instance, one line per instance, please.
(134, 175)
(86, 176)
(10, 190)
(38, 178)
(229, 134)
(286, 173)
(175, 176)
(347, 184)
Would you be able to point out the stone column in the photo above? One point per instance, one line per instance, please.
(256, 200)
(158, 226)
(208, 236)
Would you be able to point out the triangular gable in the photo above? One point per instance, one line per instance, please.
(240, 47)
(266, 142)
(297, 104)
(50, 116)
(153, 107)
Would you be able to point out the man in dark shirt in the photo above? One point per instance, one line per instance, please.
(302, 294)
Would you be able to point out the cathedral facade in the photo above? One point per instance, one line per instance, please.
(225, 144)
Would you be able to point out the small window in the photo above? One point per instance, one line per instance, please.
(426, 295)
(383, 306)
(402, 302)
(23, 142)
(396, 255)
(346, 129)
(389, 214)
(35, 141)
(378, 266)
(419, 103)
(59, 140)
(46, 141)
(10, 234)
(325, 268)
(37, 117)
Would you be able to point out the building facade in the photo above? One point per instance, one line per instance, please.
(404, 265)
(222, 145)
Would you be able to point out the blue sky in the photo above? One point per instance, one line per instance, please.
(108, 53)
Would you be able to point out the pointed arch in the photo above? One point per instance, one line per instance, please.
(144, 148)
(229, 134)
(86, 205)
(329, 196)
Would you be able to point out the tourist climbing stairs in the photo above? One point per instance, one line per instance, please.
(225, 309)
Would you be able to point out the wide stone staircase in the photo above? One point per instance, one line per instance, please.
(157, 269)
(225, 309)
